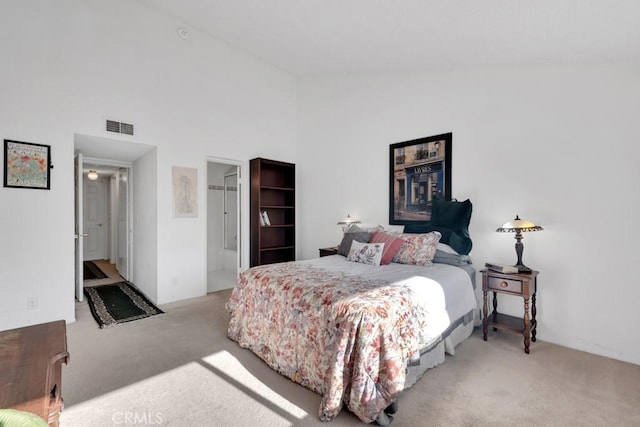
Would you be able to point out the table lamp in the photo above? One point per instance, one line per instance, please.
(519, 226)
(346, 222)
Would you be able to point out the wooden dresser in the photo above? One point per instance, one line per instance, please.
(31, 361)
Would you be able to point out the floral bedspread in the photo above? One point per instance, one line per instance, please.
(343, 338)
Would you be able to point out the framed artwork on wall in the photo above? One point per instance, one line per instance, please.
(419, 172)
(185, 192)
(27, 165)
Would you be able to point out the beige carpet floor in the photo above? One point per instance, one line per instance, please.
(179, 369)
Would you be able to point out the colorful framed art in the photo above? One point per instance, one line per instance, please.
(27, 165)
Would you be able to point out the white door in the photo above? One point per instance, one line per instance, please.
(95, 219)
(231, 212)
(122, 260)
(79, 236)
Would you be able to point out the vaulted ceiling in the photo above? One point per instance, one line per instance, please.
(307, 37)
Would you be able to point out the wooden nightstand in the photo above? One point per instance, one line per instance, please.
(517, 284)
(328, 251)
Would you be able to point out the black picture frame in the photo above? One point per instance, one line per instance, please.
(419, 172)
(27, 165)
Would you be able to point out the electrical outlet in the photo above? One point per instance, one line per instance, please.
(32, 303)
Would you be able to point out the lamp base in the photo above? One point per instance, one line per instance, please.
(519, 248)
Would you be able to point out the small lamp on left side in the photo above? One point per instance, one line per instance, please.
(346, 222)
(92, 175)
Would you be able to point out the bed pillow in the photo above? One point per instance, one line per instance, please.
(451, 214)
(392, 245)
(358, 236)
(353, 228)
(461, 241)
(372, 229)
(451, 258)
(366, 253)
(394, 228)
(451, 218)
(428, 227)
(443, 247)
(454, 217)
(418, 249)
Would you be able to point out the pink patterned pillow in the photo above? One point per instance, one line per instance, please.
(392, 245)
(418, 249)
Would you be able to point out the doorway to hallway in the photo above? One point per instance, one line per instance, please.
(104, 203)
(103, 212)
(224, 213)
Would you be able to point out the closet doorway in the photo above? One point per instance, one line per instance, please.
(224, 243)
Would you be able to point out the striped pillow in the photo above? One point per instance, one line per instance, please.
(392, 245)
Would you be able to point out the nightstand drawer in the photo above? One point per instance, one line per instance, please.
(507, 285)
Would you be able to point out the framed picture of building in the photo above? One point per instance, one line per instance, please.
(419, 173)
(27, 165)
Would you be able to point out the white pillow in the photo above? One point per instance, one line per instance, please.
(446, 248)
(366, 253)
(394, 228)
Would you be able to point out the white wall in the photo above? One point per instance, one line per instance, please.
(69, 65)
(558, 145)
(144, 268)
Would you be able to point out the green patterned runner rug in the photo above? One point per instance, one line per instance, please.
(92, 271)
(118, 303)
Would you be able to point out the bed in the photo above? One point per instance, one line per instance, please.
(357, 334)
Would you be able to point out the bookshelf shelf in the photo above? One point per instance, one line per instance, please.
(272, 210)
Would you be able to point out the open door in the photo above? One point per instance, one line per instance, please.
(224, 223)
(238, 222)
(123, 243)
(79, 227)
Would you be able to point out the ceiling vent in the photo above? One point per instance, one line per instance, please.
(125, 128)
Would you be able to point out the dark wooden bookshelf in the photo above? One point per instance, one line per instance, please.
(272, 191)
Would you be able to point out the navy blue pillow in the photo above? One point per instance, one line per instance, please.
(418, 227)
(451, 214)
(461, 242)
(428, 227)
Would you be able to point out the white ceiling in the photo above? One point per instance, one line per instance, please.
(307, 37)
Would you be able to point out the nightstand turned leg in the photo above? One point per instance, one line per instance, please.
(534, 322)
(485, 313)
(526, 331)
(495, 309)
